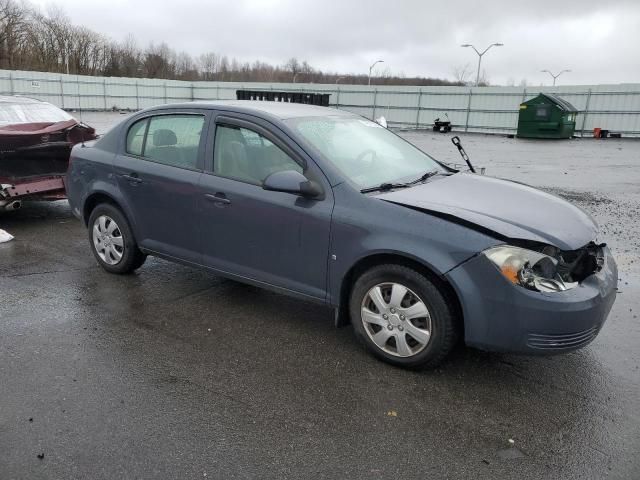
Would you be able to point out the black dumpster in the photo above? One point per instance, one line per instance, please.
(308, 98)
(546, 116)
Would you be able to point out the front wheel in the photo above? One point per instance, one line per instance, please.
(112, 242)
(402, 316)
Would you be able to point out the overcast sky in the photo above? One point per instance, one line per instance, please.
(598, 40)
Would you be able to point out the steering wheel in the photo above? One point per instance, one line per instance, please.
(361, 157)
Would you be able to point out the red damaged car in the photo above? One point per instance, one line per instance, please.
(35, 142)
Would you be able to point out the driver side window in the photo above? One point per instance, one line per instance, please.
(247, 156)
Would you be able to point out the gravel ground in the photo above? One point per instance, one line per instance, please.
(176, 373)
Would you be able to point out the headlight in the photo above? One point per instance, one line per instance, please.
(528, 269)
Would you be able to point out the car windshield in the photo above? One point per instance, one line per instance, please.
(368, 154)
(41, 112)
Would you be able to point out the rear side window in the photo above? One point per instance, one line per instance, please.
(170, 139)
(135, 137)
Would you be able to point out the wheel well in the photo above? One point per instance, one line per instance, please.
(93, 201)
(381, 259)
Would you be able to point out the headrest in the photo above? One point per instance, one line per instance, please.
(164, 138)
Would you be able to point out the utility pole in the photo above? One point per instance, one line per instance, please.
(555, 76)
(371, 68)
(480, 54)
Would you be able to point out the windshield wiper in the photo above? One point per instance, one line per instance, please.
(424, 177)
(383, 187)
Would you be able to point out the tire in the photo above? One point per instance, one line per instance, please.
(112, 242)
(413, 329)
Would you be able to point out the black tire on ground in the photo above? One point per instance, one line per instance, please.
(132, 257)
(444, 332)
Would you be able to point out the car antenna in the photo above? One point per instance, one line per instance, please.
(456, 141)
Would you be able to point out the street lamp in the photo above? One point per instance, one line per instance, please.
(555, 76)
(294, 76)
(371, 68)
(338, 79)
(480, 55)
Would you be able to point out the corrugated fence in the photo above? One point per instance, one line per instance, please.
(483, 109)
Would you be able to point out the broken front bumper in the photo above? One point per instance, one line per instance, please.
(47, 188)
(500, 316)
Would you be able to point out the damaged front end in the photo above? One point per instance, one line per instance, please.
(35, 143)
(545, 268)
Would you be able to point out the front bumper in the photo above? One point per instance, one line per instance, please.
(48, 188)
(499, 316)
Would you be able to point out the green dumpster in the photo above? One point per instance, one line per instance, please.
(546, 116)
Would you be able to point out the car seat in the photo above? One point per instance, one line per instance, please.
(164, 147)
(233, 159)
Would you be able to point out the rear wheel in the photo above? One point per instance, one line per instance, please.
(402, 316)
(112, 241)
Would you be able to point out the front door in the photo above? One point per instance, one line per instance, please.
(271, 237)
(158, 174)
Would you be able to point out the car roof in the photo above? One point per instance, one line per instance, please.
(279, 110)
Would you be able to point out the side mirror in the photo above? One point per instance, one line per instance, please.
(291, 181)
(382, 122)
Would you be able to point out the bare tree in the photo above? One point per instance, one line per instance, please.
(462, 73)
(159, 61)
(483, 80)
(224, 67)
(13, 32)
(209, 64)
(185, 67)
(293, 66)
(32, 39)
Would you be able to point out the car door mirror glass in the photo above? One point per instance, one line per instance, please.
(290, 181)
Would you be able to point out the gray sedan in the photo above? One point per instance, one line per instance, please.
(331, 207)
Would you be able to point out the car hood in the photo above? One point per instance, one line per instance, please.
(510, 209)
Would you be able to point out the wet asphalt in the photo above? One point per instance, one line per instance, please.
(174, 372)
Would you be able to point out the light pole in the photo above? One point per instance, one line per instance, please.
(555, 76)
(371, 68)
(338, 79)
(480, 55)
(294, 76)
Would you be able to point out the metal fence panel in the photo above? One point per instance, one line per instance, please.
(484, 109)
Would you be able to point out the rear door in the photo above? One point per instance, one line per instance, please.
(270, 237)
(158, 171)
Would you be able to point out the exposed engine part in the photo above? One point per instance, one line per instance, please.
(578, 264)
(573, 265)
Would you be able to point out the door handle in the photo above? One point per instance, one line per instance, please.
(133, 178)
(217, 198)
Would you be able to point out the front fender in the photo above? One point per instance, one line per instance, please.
(364, 227)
